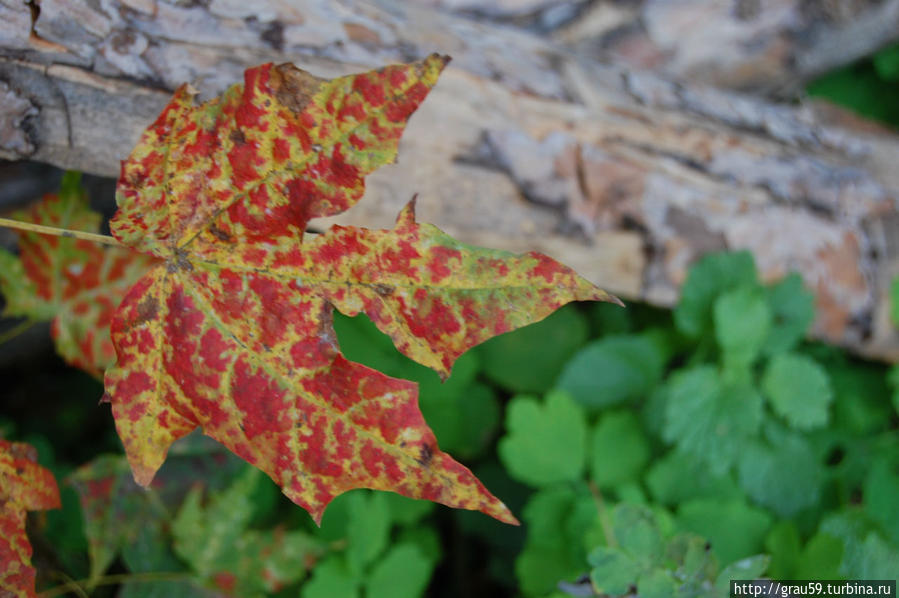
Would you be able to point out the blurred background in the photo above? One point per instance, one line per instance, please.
(726, 167)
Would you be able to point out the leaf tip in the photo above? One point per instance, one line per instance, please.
(406, 217)
(501, 512)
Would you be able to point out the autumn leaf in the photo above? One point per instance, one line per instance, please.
(24, 486)
(233, 331)
(74, 283)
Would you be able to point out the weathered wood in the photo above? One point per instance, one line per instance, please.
(622, 174)
(773, 47)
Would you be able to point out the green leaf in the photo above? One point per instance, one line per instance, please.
(784, 474)
(784, 546)
(368, 528)
(893, 379)
(110, 524)
(695, 563)
(793, 310)
(658, 583)
(613, 571)
(708, 278)
(665, 480)
(886, 63)
(544, 443)
(406, 511)
(709, 420)
(881, 495)
(613, 370)
(331, 579)
(620, 449)
(858, 405)
(464, 423)
(798, 389)
(638, 534)
(821, 558)
(749, 568)
(894, 301)
(529, 359)
(865, 554)
(403, 573)
(556, 524)
(608, 319)
(735, 529)
(214, 540)
(742, 320)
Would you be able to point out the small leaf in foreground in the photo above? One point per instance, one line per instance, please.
(798, 389)
(24, 486)
(75, 283)
(233, 332)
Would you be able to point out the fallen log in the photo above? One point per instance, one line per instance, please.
(624, 175)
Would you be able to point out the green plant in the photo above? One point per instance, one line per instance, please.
(717, 437)
(869, 87)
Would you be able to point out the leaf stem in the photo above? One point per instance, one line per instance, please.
(59, 232)
(106, 580)
(16, 330)
(604, 520)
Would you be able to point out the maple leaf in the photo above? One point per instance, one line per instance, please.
(234, 332)
(24, 486)
(74, 283)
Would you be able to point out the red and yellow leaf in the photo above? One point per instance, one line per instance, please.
(74, 283)
(24, 486)
(233, 332)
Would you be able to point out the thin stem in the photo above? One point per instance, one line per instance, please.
(604, 521)
(16, 330)
(59, 232)
(107, 580)
(70, 584)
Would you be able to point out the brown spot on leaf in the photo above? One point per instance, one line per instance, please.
(384, 290)
(425, 455)
(238, 137)
(219, 233)
(293, 87)
(146, 311)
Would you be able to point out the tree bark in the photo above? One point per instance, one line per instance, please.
(624, 175)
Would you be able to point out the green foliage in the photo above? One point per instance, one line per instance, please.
(735, 453)
(868, 87)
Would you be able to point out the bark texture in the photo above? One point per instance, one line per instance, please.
(524, 143)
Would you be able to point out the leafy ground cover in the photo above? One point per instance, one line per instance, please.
(663, 451)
